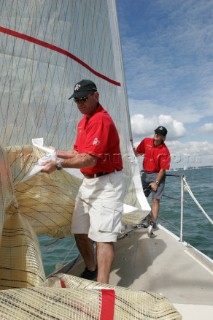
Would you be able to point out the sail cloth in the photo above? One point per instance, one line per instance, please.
(45, 47)
(67, 297)
(41, 204)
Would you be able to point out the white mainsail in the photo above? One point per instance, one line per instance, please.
(45, 47)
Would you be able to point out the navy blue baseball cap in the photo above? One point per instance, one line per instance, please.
(161, 130)
(83, 88)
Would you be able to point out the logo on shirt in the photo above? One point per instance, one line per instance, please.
(96, 141)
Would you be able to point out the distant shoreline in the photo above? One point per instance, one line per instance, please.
(189, 168)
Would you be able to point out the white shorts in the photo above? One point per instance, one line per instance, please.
(98, 207)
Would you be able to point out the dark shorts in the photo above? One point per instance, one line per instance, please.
(146, 179)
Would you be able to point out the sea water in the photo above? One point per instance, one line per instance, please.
(197, 230)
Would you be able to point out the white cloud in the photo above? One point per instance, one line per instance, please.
(207, 128)
(192, 147)
(175, 128)
(183, 113)
(142, 126)
(193, 153)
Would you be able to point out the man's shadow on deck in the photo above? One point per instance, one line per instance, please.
(134, 254)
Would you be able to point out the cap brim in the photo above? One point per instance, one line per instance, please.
(158, 132)
(81, 94)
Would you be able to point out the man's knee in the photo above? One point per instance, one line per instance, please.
(155, 201)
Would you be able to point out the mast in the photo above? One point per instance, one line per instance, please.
(114, 8)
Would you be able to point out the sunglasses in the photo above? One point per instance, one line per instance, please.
(83, 99)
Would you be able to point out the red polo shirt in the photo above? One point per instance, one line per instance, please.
(155, 157)
(98, 136)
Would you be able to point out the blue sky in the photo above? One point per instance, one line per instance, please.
(167, 50)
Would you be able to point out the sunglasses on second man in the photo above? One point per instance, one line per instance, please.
(83, 99)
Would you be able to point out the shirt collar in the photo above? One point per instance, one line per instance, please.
(99, 108)
(159, 146)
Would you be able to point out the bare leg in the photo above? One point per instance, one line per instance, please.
(85, 246)
(155, 209)
(105, 255)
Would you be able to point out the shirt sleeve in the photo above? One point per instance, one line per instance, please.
(141, 148)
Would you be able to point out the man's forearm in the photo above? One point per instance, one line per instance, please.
(160, 175)
(66, 154)
(82, 160)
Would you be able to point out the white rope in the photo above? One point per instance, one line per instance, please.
(69, 252)
(187, 188)
(60, 265)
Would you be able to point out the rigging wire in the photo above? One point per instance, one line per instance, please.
(173, 198)
(187, 188)
(166, 221)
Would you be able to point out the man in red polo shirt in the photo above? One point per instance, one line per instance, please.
(155, 163)
(99, 203)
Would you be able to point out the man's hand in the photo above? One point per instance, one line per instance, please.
(49, 167)
(153, 186)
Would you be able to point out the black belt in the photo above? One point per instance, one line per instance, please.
(96, 175)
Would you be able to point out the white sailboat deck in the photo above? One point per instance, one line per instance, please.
(164, 265)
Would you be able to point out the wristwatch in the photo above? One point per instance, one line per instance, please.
(59, 165)
(157, 182)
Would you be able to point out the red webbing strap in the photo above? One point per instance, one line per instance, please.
(108, 304)
(63, 285)
(50, 46)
